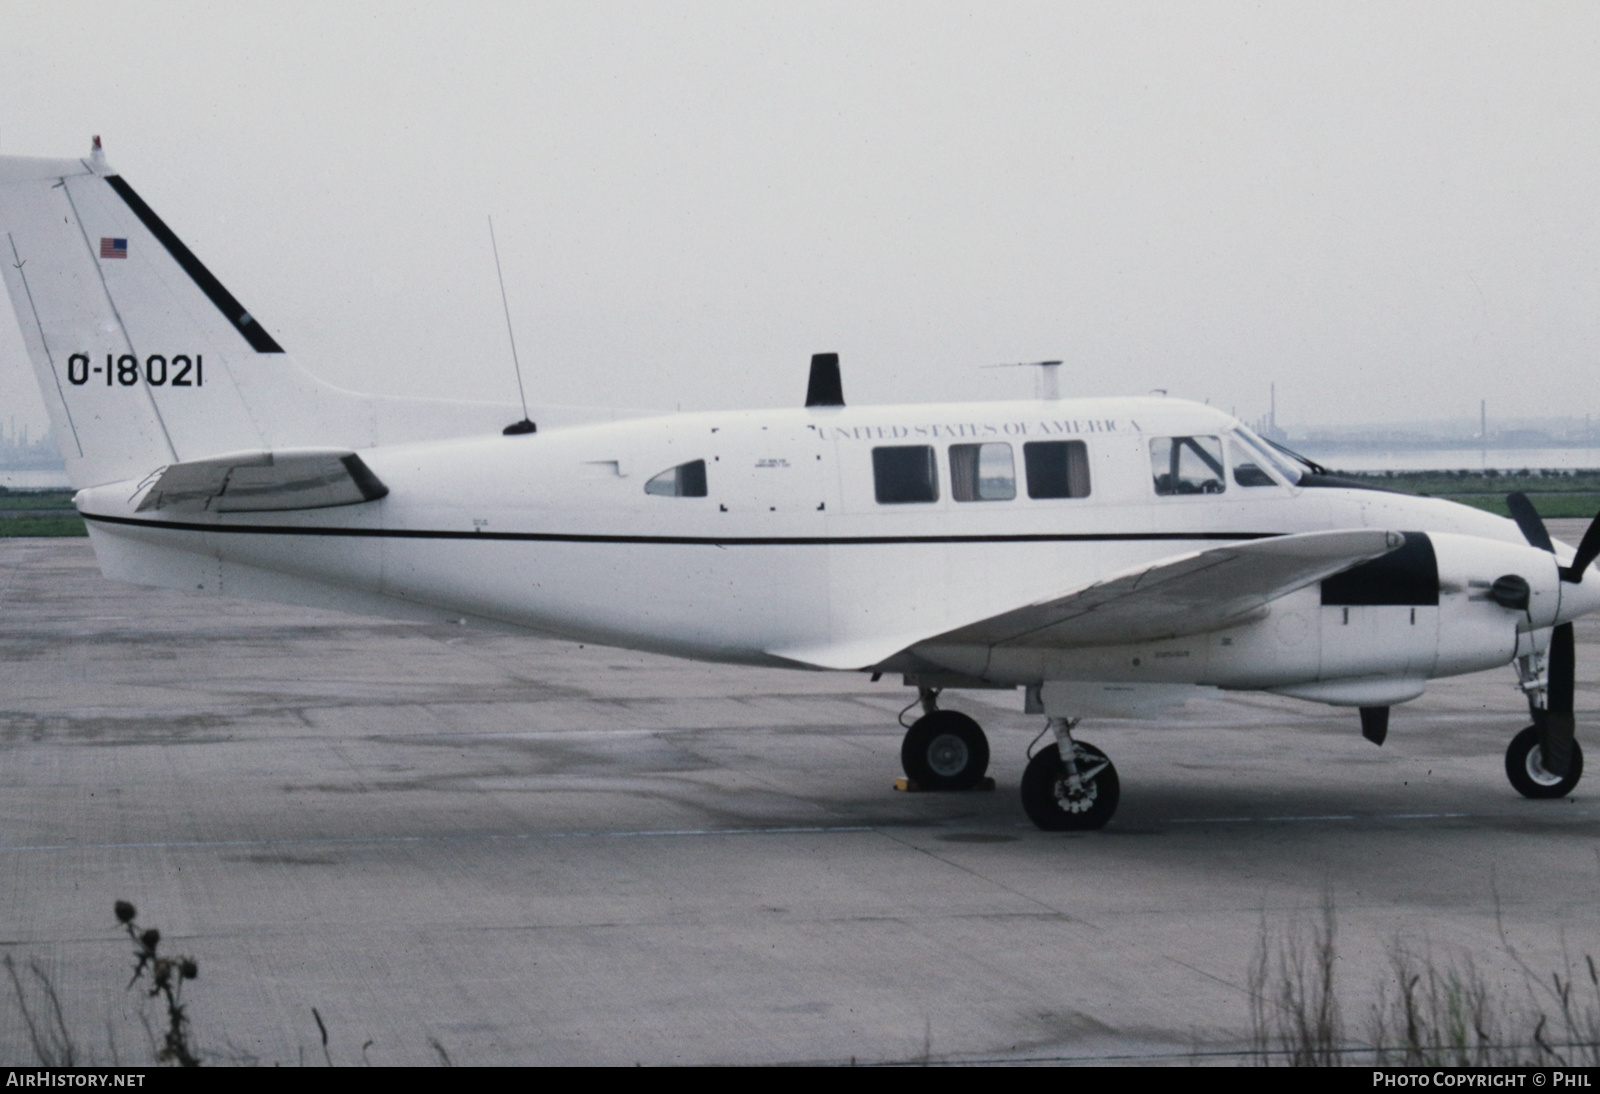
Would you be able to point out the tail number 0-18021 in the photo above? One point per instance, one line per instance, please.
(180, 370)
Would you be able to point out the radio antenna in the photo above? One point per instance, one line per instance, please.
(1046, 382)
(526, 425)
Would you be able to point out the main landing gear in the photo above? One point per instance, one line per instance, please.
(943, 749)
(1069, 785)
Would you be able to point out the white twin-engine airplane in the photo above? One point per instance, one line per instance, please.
(1107, 555)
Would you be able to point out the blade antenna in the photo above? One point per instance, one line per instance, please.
(526, 425)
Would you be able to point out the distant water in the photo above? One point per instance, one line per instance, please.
(1451, 459)
(48, 479)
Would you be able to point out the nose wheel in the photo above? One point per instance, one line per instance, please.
(1525, 768)
(945, 750)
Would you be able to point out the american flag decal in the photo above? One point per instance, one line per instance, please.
(113, 248)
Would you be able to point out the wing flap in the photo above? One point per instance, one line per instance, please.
(255, 482)
(1189, 594)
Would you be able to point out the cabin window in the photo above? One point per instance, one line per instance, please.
(687, 480)
(1057, 469)
(1187, 465)
(905, 473)
(982, 472)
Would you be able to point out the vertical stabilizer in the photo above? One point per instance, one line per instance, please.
(146, 359)
(126, 330)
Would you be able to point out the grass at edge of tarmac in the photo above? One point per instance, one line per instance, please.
(42, 526)
(1549, 506)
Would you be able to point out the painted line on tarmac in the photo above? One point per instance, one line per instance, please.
(1319, 817)
(1364, 817)
(479, 837)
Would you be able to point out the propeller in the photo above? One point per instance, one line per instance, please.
(1588, 551)
(1555, 720)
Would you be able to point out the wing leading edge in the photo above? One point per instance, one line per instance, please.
(255, 482)
(1187, 594)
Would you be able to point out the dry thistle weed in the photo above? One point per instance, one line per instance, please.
(167, 975)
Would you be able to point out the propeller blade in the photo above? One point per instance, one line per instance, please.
(1556, 722)
(1528, 519)
(1588, 550)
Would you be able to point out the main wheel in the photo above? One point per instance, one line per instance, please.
(1525, 769)
(1057, 802)
(945, 750)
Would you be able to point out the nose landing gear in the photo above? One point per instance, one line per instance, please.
(1547, 680)
(1525, 767)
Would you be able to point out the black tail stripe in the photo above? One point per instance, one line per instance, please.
(231, 309)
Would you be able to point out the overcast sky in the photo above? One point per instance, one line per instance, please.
(1390, 209)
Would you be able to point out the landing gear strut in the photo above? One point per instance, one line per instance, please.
(1069, 785)
(943, 749)
(1547, 681)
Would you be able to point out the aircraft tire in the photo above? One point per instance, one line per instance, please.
(1048, 801)
(945, 750)
(1529, 776)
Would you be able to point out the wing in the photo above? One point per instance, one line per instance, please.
(1186, 594)
(249, 482)
(1190, 594)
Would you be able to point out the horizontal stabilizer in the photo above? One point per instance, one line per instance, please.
(255, 482)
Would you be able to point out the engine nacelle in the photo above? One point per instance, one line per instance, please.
(1434, 608)
(1369, 636)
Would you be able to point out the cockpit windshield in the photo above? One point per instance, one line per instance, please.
(1268, 456)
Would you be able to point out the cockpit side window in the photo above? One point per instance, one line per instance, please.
(1187, 465)
(905, 473)
(982, 472)
(687, 480)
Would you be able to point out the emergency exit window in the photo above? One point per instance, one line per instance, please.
(905, 473)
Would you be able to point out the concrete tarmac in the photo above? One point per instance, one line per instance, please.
(507, 850)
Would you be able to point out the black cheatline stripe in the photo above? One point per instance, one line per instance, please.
(702, 541)
(221, 297)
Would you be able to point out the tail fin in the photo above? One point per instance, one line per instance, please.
(145, 359)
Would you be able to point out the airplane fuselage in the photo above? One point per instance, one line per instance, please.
(1100, 552)
(783, 548)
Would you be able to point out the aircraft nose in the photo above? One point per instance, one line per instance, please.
(1579, 597)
